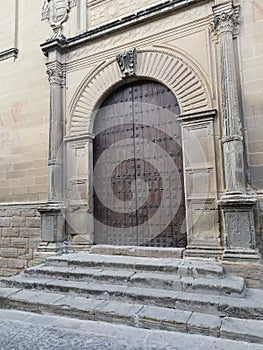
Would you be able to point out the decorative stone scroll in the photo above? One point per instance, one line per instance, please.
(127, 61)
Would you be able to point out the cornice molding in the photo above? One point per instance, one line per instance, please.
(141, 16)
(4, 55)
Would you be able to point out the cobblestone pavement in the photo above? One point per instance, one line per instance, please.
(27, 331)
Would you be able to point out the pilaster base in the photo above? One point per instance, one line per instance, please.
(241, 255)
(47, 249)
(203, 252)
(80, 243)
(52, 223)
(239, 230)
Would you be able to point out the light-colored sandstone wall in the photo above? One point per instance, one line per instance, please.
(252, 79)
(24, 121)
(251, 43)
(24, 107)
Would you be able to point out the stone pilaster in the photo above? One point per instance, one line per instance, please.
(82, 19)
(237, 206)
(52, 219)
(79, 213)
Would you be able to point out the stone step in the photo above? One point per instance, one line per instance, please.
(182, 267)
(251, 306)
(133, 314)
(219, 285)
(151, 252)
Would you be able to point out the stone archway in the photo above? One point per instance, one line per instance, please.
(170, 69)
(186, 82)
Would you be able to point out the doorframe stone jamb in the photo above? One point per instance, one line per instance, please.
(83, 240)
(209, 243)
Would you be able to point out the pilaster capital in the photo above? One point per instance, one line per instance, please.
(56, 74)
(226, 19)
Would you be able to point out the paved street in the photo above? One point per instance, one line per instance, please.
(27, 331)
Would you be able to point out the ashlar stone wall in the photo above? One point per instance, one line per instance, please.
(19, 237)
(24, 108)
(251, 57)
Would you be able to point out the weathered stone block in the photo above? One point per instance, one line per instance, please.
(30, 212)
(18, 221)
(3, 262)
(9, 253)
(5, 222)
(13, 212)
(19, 242)
(33, 242)
(23, 165)
(4, 242)
(10, 232)
(33, 221)
(29, 232)
(17, 263)
(21, 252)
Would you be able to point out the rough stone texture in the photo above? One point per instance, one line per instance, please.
(154, 317)
(19, 238)
(204, 324)
(152, 252)
(84, 287)
(253, 273)
(29, 331)
(247, 330)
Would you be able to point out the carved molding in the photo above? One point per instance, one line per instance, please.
(173, 71)
(127, 61)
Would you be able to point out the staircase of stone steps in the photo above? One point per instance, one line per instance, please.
(143, 288)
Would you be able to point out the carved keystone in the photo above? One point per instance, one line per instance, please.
(127, 61)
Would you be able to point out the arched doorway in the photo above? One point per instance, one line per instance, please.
(138, 168)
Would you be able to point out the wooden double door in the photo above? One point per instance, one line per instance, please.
(138, 168)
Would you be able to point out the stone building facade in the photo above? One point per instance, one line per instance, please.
(64, 63)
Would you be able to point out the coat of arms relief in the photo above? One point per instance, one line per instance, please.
(56, 11)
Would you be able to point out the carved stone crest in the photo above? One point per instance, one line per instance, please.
(127, 61)
(56, 11)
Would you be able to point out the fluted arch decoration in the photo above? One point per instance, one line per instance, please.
(172, 70)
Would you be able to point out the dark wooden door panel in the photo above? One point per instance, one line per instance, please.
(138, 177)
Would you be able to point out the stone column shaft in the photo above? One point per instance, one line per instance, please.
(56, 79)
(232, 133)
